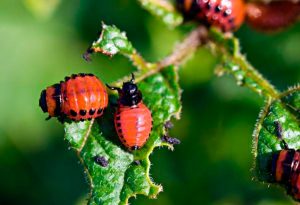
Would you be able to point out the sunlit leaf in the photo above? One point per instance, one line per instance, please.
(286, 112)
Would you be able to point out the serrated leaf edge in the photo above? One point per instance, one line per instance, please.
(176, 115)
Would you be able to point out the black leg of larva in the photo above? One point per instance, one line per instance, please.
(48, 118)
(278, 130)
(61, 118)
(135, 148)
(132, 78)
(113, 104)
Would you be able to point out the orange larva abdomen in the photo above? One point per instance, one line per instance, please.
(286, 171)
(295, 177)
(83, 97)
(133, 125)
(295, 186)
(227, 15)
(272, 16)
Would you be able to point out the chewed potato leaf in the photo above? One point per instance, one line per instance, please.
(285, 111)
(123, 178)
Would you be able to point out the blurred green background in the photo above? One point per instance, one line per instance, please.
(41, 41)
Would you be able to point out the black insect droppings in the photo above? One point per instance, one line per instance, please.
(170, 140)
(101, 161)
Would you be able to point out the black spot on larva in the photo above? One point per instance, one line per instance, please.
(90, 119)
(170, 140)
(118, 117)
(99, 111)
(101, 161)
(208, 6)
(73, 113)
(122, 139)
(90, 74)
(81, 74)
(218, 9)
(119, 130)
(118, 124)
(231, 20)
(73, 76)
(92, 111)
(82, 112)
(81, 120)
(67, 78)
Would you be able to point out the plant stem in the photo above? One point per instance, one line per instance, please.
(226, 47)
(181, 52)
(233, 62)
(259, 84)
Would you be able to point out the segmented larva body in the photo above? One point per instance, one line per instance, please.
(133, 119)
(133, 125)
(286, 171)
(272, 16)
(79, 97)
(228, 15)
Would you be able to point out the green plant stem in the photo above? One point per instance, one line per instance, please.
(180, 54)
(139, 62)
(226, 47)
(234, 63)
(267, 90)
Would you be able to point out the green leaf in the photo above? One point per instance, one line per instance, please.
(164, 10)
(112, 41)
(284, 110)
(123, 178)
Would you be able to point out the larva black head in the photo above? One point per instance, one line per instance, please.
(43, 102)
(129, 93)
